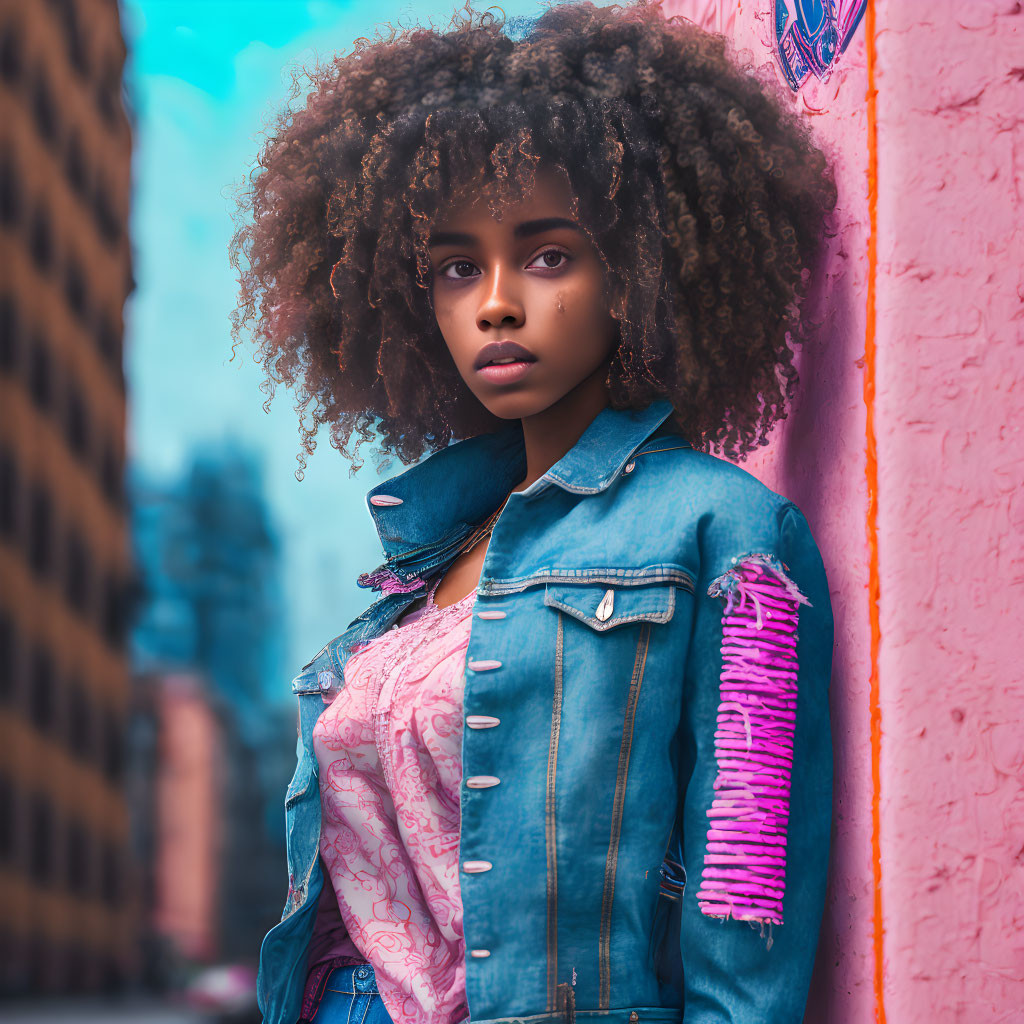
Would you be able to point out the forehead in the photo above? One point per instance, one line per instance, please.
(549, 196)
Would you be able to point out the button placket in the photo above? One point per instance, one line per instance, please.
(476, 867)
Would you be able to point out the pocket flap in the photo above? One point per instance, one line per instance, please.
(603, 607)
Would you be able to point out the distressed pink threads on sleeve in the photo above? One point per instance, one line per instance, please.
(744, 874)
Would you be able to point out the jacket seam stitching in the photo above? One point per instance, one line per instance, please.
(550, 831)
(681, 577)
(618, 804)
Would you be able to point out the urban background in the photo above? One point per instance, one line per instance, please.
(163, 574)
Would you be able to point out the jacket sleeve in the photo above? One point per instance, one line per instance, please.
(756, 809)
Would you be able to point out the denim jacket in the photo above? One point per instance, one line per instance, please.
(656, 845)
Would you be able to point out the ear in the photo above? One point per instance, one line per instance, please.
(616, 304)
(616, 301)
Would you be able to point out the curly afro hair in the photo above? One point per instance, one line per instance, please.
(704, 195)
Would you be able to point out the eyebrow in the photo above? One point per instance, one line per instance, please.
(524, 230)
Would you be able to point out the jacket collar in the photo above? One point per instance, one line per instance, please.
(458, 486)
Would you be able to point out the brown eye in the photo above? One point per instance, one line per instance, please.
(554, 259)
(462, 265)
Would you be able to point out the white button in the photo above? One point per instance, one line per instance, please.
(606, 607)
(385, 500)
(484, 666)
(482, 721)
(479, 954)
(326, 679)
(476, 867)
(490, 615)
(630, 466)
(482, 781)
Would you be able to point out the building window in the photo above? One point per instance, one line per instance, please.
(111, 881)
(110, 474)
(7, 823)
(41, 240)
(10, 54)
(114, 610)
(108, 340)
(106, 219)
(82, 723)
(68, 14)
(79, 859)
(40, 531)
(78, 434)
(78, 589)
(44, 109)
(41, 840)
(113, 747)
(75, 291)
(42, 684)
(10, 334)
(40, 373)
(108, 92)
(9, 494)
(8, 658)
(10, 193)
(74, 166)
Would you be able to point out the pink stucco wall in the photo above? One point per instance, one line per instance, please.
(948, 410)
(951, 507)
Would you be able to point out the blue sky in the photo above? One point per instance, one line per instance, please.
(203, 78)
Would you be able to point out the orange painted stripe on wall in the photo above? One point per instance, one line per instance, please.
(871, 470)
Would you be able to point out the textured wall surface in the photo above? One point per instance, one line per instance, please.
(948, 408)
(951, 507)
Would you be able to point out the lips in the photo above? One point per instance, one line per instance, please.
(502, 353)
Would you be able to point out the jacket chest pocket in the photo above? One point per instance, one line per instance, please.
(603, 607)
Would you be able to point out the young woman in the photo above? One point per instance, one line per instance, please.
(575, 762)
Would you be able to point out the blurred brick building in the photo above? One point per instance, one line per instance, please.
(67, 917)
(209, 611)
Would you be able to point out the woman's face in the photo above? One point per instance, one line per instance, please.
(522, 303)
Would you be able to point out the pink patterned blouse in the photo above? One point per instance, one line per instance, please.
(389, 754)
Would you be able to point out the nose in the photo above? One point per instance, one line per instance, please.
(500, 305)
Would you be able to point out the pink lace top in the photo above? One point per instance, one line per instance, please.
(389, 755)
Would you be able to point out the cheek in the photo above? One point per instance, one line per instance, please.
(581, 313)
(446, 314)
(442, 306)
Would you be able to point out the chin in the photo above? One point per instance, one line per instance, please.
(519, 406)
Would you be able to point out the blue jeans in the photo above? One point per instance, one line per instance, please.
(348, 995)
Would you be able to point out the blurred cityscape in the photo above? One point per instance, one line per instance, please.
(142, 752)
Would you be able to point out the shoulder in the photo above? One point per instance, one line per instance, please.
(326, 668)
(715, 486)
(724, 512)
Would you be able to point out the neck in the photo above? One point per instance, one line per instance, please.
(549, 434)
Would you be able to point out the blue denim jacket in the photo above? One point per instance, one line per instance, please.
(604, 678)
